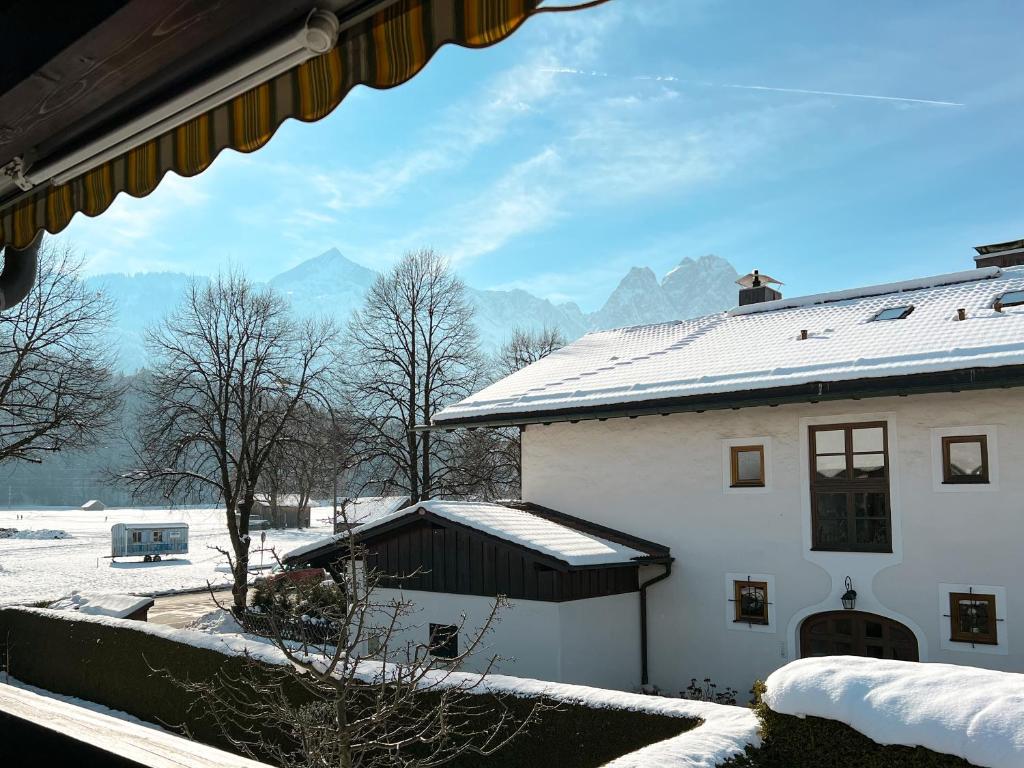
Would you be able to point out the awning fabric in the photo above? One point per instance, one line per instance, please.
(382, 51)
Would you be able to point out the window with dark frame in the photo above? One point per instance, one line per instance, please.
(1011, 299)
(965, 459)
(136, 537)
(972, 618)
(750, 601)
(747, 466)
(444, 641)
(894, 313)
(158, 536)
(850, 488)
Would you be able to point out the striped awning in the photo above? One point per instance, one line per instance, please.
(382, 51)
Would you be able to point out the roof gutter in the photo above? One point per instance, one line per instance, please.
(19, 273)
(999, 377)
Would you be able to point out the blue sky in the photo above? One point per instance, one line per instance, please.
(636, 133)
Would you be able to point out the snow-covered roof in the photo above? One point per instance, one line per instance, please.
(171, 524)
(368, 508)
(760, 346)
(283, 499)
(521, 527)
(976, 714)
(115, 606)
(354, 512)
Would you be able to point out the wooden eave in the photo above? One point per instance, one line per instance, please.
(70, 74)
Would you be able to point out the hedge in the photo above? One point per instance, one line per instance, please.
(814, 742)
(113, 665)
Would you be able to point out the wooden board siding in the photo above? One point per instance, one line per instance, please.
(424, 555)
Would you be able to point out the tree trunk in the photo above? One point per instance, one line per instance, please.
(240, 588)
(414, 487)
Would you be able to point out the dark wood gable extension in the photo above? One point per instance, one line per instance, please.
(426, 552)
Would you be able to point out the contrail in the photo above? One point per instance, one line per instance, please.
(673, 79)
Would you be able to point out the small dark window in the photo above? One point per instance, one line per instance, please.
(1011, 299)
(965, 459)
(747, 466)
(444, 641)
(894, 313)
(972, 618)
(158, 536)
(136, 537)
(750, 599)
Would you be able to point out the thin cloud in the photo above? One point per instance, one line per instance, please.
(777, 89)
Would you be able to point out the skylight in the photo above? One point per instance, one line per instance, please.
(1011, 298)
(898, 313)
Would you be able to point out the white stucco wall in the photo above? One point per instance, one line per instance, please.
(662, 478)
(595, 642)
(600, 641)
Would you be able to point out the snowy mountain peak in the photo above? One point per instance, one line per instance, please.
(693, 288)
(324, 273)
(702, 287)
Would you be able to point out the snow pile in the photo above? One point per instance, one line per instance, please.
(116, 606)
(42, 533)
(976, 714)
(218, 622)
(724, 731)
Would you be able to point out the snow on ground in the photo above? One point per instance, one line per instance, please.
(32, 570)
(976, 714)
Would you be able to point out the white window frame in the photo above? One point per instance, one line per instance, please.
(992, 444)
(1002, 646)
(727, 445)
(730, 604)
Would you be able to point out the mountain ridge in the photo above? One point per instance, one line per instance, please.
(334, 284)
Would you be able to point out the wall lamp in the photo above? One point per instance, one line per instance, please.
(849, 597)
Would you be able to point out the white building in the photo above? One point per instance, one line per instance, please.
(791, 453)
(573, 594)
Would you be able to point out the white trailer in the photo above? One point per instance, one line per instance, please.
(151, 541)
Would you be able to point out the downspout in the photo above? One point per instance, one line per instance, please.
(19, 273)
(643, 614)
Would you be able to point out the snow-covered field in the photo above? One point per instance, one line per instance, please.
(42, 569)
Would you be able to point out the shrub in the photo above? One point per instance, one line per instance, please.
(708, 691)
(814, 742)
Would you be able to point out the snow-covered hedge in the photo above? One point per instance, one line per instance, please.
(110, 661)
(845, 710)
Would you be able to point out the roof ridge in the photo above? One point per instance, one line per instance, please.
(880, 289)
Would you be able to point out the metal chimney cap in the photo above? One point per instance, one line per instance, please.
(755, 279)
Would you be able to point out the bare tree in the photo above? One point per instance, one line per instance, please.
(491, 459)
(319, 448)
(525, 347)
(57, 387)
(361, 689)
(413, 348)
(233, 375)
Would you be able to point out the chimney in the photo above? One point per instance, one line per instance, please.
(1008, 254)
(755, 288)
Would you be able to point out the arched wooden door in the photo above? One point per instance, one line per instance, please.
(855, 633)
